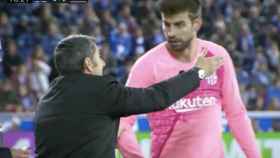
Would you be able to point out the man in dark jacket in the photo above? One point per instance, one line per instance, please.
(79, 115)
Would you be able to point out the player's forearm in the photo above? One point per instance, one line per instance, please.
(242, 130)
(127, 143)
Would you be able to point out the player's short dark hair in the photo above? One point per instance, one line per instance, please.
(71, 51)
(172, 7)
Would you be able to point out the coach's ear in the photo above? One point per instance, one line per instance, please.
(88, 65)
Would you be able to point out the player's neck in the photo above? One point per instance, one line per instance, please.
(187, 55)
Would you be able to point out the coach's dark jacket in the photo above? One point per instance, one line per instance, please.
(79, 115)
(5, 152)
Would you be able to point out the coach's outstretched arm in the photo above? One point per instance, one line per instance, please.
(128, 101)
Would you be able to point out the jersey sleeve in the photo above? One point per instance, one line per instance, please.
(140, 76)
(235, 111)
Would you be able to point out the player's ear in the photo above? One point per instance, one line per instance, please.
(197, 23)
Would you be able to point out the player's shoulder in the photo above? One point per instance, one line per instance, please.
(213, 47)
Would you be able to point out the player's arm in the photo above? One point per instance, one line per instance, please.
(127, 142)
(139, 76)
(235, 111)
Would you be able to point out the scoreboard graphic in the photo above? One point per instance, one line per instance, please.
(45, 1)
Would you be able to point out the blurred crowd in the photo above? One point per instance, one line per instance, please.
(126, 29)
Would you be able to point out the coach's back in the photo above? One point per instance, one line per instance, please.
(70, 121)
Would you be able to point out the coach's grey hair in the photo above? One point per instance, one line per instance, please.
(71, 51)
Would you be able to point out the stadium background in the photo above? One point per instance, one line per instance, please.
(125, 30)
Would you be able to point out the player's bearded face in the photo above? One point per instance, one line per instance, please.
(178, 30)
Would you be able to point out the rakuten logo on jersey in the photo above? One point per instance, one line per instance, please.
(191, 104)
